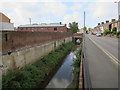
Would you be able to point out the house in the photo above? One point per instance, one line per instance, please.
(44, 27)
(116, 23)
(5, 24)
(108, 25)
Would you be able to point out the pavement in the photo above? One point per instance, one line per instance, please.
(103, 72)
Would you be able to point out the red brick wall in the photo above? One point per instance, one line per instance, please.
(44, 29)
(98, 28)
(4, 18)
(13, 40)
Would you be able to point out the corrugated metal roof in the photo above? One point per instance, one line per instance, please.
(43, 25)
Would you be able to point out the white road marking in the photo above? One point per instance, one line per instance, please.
(106, 52)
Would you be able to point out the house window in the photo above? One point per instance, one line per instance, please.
(55, 29)
(115, 24)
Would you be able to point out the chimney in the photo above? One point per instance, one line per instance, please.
(60, 23)
(65, 25)
(98, 23)
(107, 21)
(112, 20)
(102, 23)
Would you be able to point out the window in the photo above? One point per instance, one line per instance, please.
(55, 29)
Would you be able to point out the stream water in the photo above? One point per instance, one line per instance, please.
(63, 76)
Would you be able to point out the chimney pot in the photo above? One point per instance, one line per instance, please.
(107, 21)
(65, 25)
(112, 20)
(102, 22)
(98, 23)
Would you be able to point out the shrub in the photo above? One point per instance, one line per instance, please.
(114, 30)
(76, 69)
(33, 74)
(15, 84)
(118, 33)
(107, 31)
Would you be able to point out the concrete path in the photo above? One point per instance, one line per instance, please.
(103, 72)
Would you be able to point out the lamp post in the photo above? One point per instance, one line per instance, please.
(118, 13)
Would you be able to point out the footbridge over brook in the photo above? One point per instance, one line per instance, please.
(20, 48)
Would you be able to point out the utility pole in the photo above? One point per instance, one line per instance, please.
(84, 19)
(30, 20)
(118, 13)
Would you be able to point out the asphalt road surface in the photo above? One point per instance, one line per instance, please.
(103, 72)
(108, 43)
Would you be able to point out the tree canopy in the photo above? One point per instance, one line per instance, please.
(73, 27)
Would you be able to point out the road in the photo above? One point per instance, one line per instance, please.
(103, 72)
(108, 43)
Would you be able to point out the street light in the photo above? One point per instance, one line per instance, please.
(118, 13)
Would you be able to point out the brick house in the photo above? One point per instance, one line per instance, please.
(5, 23)
(52, 27)
(108, 25)
(97, 27)
(116, 23)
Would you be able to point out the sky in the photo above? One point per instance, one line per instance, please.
(55, 11)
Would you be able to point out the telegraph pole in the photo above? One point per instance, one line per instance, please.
(84, 19)
(30, 20)
(118, 13)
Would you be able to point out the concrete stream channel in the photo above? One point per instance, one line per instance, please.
(62, 75)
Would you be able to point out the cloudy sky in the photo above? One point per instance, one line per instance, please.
(65, 11)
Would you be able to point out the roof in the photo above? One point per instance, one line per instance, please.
(108, 23)
(43, 25)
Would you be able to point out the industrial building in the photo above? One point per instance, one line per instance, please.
(44, 27)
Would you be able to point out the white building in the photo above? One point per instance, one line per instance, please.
(5, 24)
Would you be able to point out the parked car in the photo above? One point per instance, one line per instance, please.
(98, 34)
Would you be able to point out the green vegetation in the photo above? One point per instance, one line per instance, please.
(114, 30)
(76, 70)
(107, 31)
(32, 75)
(73, 27)
(118, 33)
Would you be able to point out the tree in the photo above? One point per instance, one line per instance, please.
(73, 27)
(89, 29)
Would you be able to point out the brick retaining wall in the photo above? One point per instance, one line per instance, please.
(15, 40)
